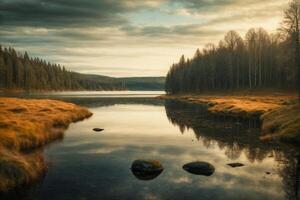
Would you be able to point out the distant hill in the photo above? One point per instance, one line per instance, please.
(143, 83)
(19, 71)
(97, 77)
(130, 83)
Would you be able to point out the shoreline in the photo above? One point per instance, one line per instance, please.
(27, 126)
(21, 91)
(278, 113)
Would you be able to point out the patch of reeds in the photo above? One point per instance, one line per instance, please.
(26, 125)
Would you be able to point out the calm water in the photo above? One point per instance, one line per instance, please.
(89, 165)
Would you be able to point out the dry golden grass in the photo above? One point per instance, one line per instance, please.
(283, 124)
(28, 124)
(246, 106)
(279, 112)
(17, 169)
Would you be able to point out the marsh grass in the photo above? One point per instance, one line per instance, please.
(282, 124)
(279, 113)
(27, 125)
(242, 106)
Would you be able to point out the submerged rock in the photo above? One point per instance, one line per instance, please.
(234, 165)
(199, 168)
(98, 129)
(146, 169)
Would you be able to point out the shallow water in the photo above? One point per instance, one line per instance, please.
(90, 165)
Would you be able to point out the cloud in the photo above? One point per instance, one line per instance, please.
(174, 35)
(214, 5)
(215, 18)
(123, 37)
(75, 13)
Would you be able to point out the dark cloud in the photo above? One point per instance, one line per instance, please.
(207, 5)
(103, 13)
(61, 13)
(178, 30)
(202, 4)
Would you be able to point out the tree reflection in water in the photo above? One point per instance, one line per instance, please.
(290, 172)
(236, 137)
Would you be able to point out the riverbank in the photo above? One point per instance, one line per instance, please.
(25, 126)
(279, 113)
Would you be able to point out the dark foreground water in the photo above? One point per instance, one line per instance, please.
(88, 165)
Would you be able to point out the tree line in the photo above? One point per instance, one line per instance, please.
(19, 71)
(259, 60)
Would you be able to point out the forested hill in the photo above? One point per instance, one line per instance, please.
(144, 83)
(19, 71)
(259, 60)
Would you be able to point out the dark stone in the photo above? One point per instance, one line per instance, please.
(268, 172)
(146, 169)
(98, 129)
(234, 165)
(199, 168)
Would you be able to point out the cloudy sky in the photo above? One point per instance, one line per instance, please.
(127, 37)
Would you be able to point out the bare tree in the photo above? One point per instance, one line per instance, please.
(290, 26)
(251, 39)
(232, 41)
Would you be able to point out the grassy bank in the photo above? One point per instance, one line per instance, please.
(279, 113)
(26, 125)
(282, 123)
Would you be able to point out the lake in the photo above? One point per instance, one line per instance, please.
(89, 165)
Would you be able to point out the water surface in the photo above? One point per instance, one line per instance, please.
(90, 165)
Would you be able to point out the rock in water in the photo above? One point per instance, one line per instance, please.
(98, 129)
(199, 168)
(234, 165)
(146, 169)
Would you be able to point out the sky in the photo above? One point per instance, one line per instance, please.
(127, 37)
